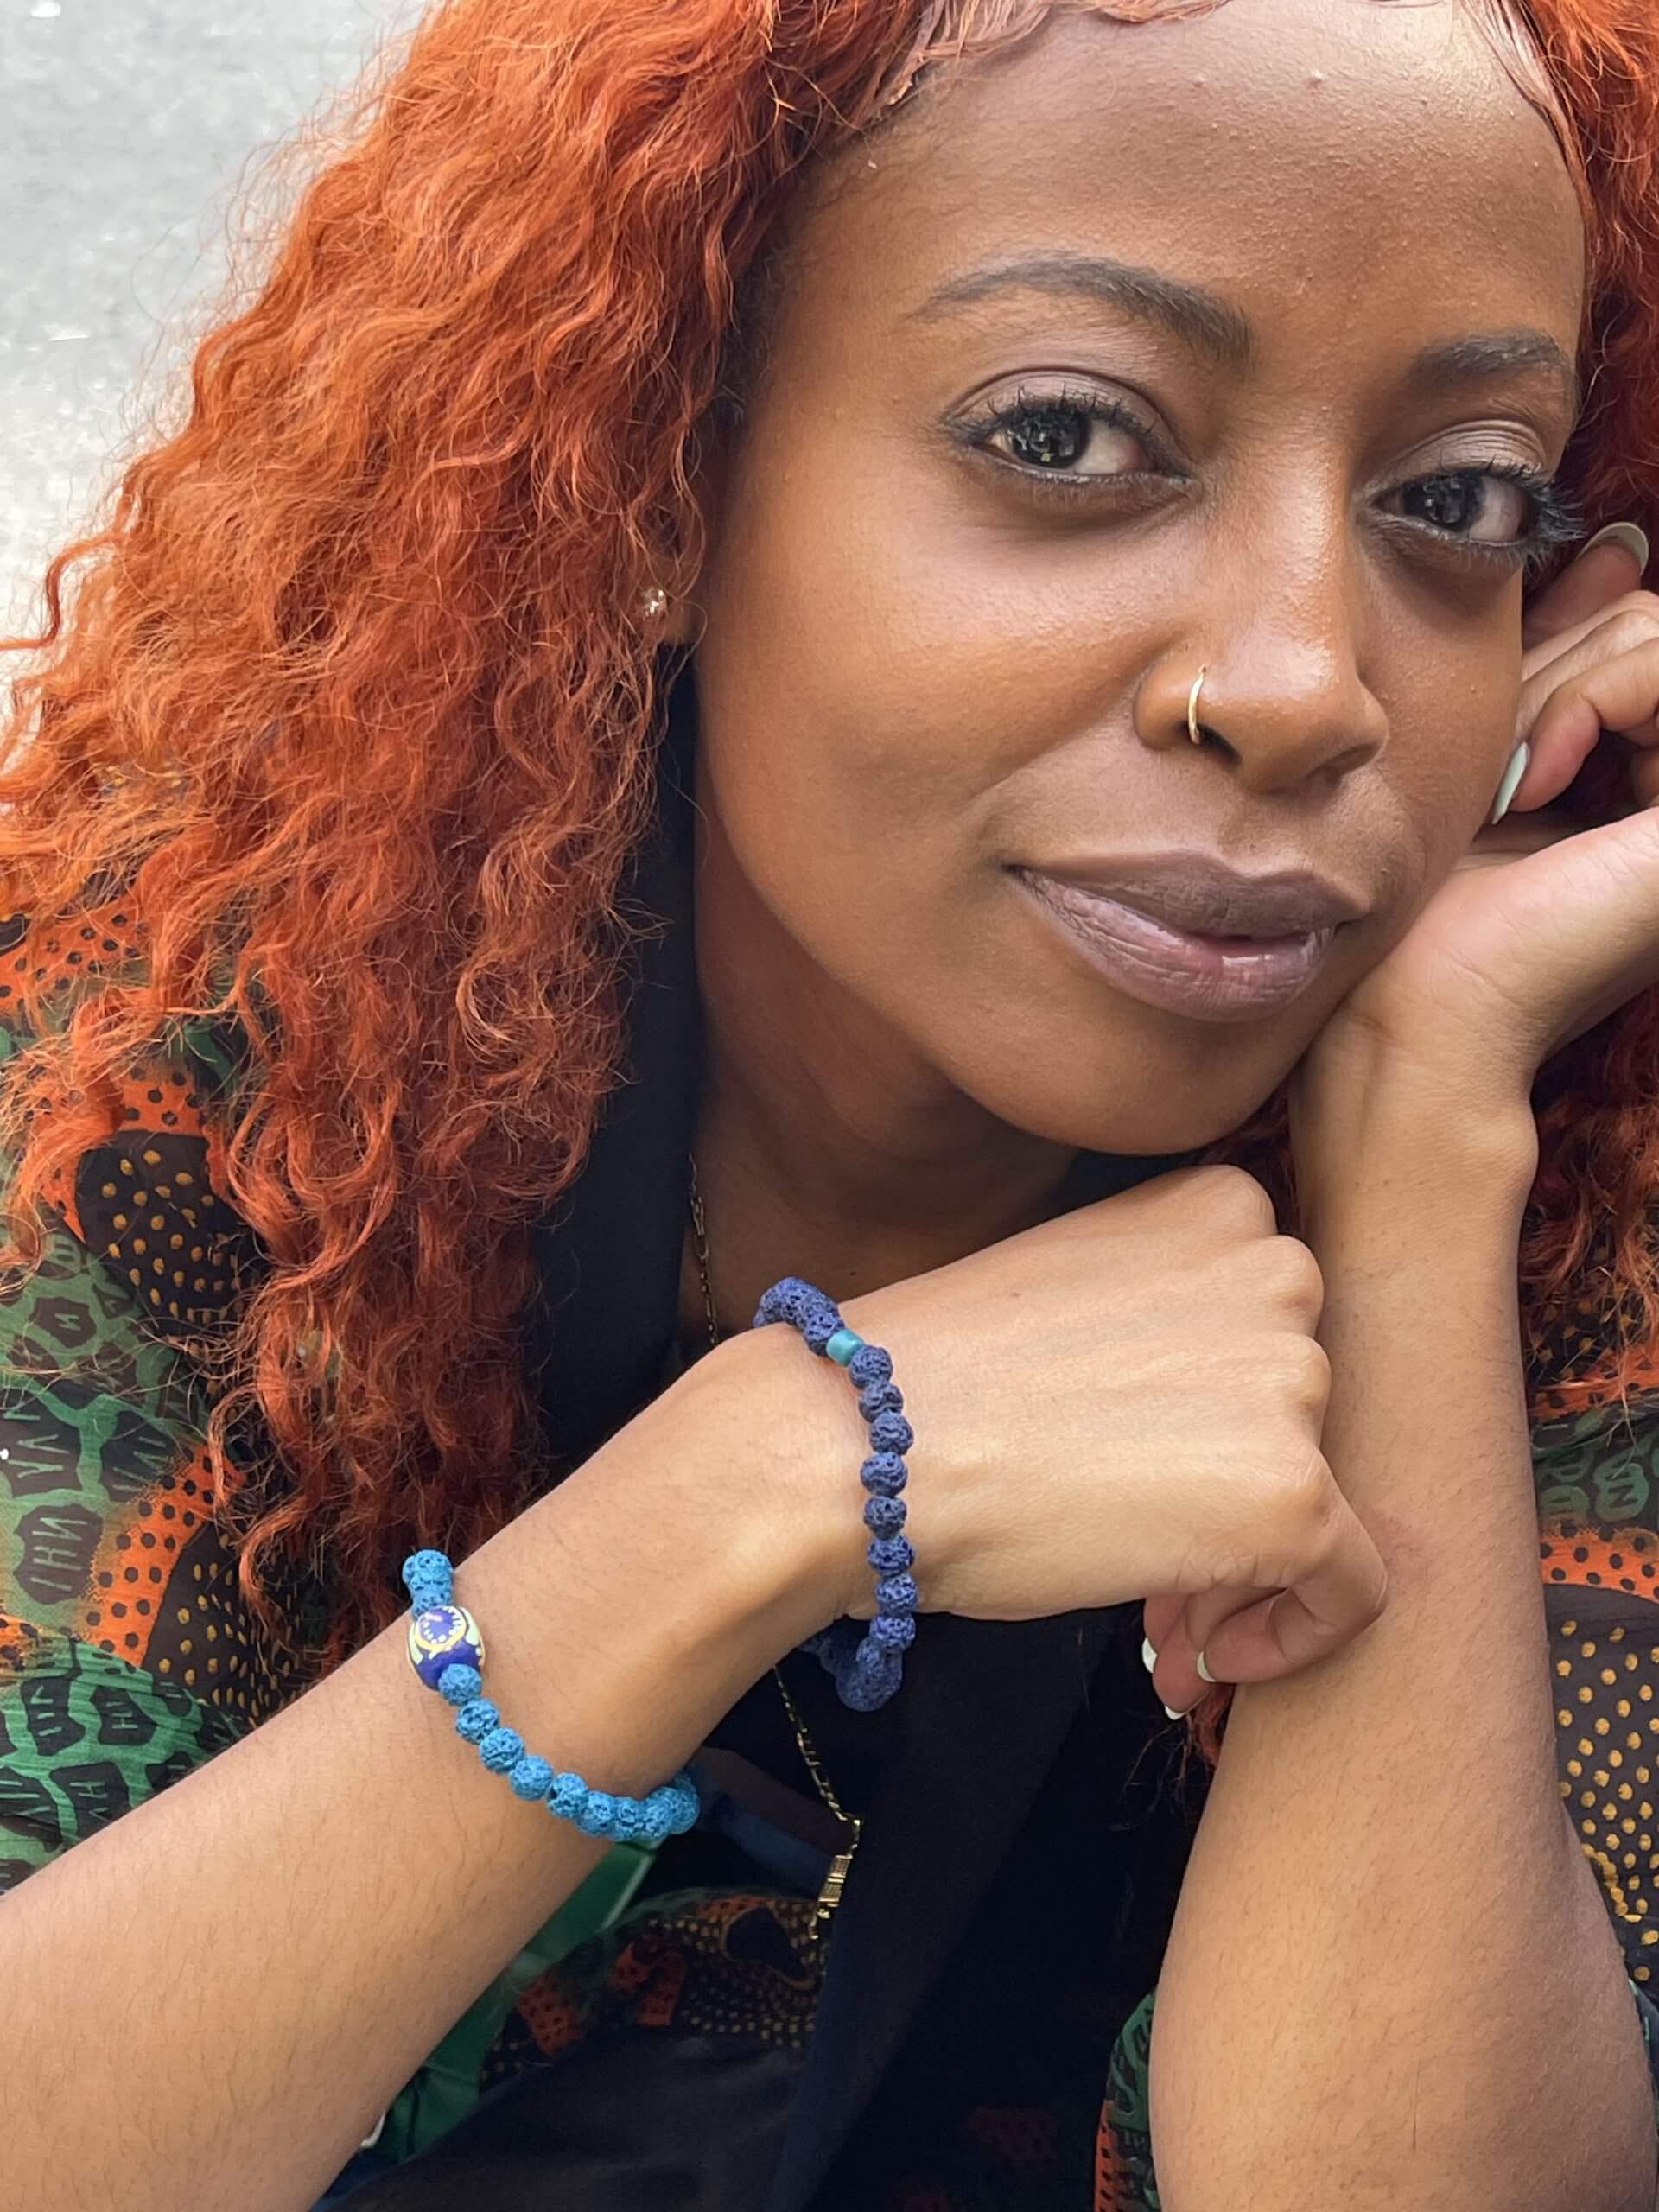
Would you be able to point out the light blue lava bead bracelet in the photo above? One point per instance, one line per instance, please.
(447, 1652)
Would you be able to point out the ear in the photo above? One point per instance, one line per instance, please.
(697, 534)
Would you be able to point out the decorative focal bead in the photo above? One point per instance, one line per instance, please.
(443, 1636)
(447, 1652)
(868, 1668)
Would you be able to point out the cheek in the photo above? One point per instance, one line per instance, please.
(875, 676)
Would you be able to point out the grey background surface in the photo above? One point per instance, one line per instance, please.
(126, 128)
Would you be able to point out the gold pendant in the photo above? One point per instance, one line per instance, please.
(835, 1881)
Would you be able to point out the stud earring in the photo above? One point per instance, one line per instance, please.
(1511, 784)
(655, 603)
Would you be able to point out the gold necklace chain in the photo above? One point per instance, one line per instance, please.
(840, 1864)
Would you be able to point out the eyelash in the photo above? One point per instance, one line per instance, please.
(1555, 521)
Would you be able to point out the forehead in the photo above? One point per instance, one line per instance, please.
(1369, 167)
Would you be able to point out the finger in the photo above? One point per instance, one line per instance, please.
(1607, 566)
(1582, 696)
(1319, 1610)
(1190, 1629)
(1621, 621)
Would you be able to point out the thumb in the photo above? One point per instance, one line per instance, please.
(1613, 563)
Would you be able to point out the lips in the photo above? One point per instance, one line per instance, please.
(1190, 935)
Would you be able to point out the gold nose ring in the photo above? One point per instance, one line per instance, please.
(1192, 729)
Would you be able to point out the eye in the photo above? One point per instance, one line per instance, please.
(1073, 438)
(1507, 509)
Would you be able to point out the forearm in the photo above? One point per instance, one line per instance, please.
(1391, 1974)
(222, 1992)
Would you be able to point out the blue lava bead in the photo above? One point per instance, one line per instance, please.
(885, 1472)
(459, 1684)
(884, 1516)
(894, 1632)
(897, 1593)
(429, 1572)
(890, 1554)
(474, 1721)
(653, 1824)
(501, 1749)
(566, 1795)
(532, 1777)
(892, 1432)
(870, 1363)
(881, 1398)
(595, 1818)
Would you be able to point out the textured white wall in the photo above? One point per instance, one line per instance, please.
(125, 126)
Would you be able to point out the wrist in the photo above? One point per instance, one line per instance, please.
(753, 1457)
(1367, 1127)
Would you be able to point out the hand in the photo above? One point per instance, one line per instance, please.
(1546, 927)
(1123, 1401)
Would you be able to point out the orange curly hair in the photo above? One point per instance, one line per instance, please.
(349, 696)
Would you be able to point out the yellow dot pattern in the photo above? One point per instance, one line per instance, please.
(1605, 1672)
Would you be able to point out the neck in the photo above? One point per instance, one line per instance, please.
(827, 1145)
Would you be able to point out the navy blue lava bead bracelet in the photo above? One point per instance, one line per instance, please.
(869, 1667)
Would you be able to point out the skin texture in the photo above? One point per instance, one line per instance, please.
(917, 668)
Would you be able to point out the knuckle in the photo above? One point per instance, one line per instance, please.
(1307, 1373)
(1634, 625)
(1233, 1199)
(1289, 1273)
(1304, 1510)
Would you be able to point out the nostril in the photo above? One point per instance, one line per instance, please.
(1213, 741)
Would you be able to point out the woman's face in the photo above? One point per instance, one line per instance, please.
(1242, 343)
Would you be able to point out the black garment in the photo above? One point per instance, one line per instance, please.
(1020, 1813)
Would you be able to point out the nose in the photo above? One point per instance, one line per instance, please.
(1283, 703)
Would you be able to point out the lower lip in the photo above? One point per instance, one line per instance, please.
(1211, 978)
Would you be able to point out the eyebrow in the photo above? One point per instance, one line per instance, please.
(1213, 327)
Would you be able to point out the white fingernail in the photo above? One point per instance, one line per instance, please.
(1630, 535)
(1511, 783)
(1176, 1711)
(1149, 1656)
(1203, 1670)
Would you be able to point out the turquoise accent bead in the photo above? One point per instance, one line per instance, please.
(842, 1346)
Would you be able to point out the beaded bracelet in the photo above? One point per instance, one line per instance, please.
(868, 1668)
(447, 1652)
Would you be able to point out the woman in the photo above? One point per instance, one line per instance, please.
(1087, 493)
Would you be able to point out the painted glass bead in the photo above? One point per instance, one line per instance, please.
(439, 1637)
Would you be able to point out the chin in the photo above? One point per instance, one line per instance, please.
(1132, 1109)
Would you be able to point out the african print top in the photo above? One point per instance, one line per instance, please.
(127, 1658)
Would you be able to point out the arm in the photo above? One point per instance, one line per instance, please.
(284, 1935)
(1391, 1979)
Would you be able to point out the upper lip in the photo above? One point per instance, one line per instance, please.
(1199, 893)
